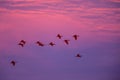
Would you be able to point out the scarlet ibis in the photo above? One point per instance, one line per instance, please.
(22, 41)
(75, 36)
(51, 43)
(59, 36)
(78, 55)
(40, 43)
(66, 41)
(13, 63)
(21, 44)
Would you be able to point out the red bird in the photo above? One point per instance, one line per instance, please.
(78, 55)
(22, 41)
(21, 44)
(13, 63)
(51, 43)
(75, 37)
(59, 36)
(66, 41)
(39, 43)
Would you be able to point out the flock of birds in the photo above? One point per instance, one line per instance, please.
(23, 42)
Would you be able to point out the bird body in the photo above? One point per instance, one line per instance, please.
(75, 36)
(39, 43)
(13, 63)
(59, 36)
(66, 41)
(21, 44)
(22, 41)
(78, 55)
(51, 43)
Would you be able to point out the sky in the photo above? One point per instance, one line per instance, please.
(97, 22)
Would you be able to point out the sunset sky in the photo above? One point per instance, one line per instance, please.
(97, 22)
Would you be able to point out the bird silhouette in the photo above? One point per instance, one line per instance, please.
(59, 36)
(22, 41)
(13, 63)
(78, 55)
(66, 41)
(21, 44)
(40, 43)
(75, 36)
(51, 43)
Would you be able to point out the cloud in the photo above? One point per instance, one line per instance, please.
(83, 9)
(117, 1)
(94, 11)
(53, 5)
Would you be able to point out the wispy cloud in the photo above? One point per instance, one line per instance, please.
(56, 5)
(90, 9)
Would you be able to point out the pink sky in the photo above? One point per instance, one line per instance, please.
(95, 21)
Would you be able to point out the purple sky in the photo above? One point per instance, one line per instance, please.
(97, 22)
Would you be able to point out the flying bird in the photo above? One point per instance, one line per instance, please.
(21, 44)
(66, 41)
(22, 41)
(40, 43)
(59, 36)
(75, 36)
(51, 43)
(13, 63)
(78, 55)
